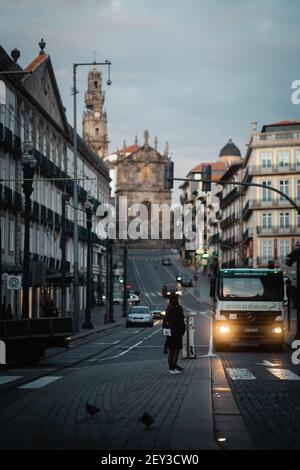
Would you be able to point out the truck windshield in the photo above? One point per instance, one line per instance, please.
(266, 288)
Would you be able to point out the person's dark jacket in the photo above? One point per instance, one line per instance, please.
(174, 319)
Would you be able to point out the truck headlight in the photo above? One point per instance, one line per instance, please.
(277, 330)
(224, 329)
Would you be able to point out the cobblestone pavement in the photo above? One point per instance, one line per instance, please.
(269, 405)
(123, 372)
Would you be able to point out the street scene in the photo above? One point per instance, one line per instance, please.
(149, 263)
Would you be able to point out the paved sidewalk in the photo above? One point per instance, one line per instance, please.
(98, 321)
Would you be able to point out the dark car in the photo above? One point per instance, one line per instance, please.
(186, 281)
(168, 288)
(158, 311)
(166, 262)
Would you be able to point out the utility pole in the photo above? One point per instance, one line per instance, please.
(111, 284)
(64, 199)
(29, 164)
(125, 258)
(88, 324)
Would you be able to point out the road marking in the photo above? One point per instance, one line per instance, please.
(284, 374)
(115, 342)
(240, 374)
(267, 363)
(39, 383)
(5, 379)
(122, 353)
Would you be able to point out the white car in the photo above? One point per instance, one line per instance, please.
(139, 315)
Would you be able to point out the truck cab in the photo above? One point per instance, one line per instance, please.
(248, 308)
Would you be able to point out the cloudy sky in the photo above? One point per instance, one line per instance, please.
(193, 72)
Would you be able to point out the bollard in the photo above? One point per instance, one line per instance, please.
(2, 353)
(188, 340)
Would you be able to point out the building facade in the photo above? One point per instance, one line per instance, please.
(32, 111)
(273, 225)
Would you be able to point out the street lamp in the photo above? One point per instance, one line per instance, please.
(29, 164)
(88, 208)
(76, 267)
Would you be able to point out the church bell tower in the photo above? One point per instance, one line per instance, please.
(94, 121)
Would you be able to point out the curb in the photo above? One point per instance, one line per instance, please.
(228, 422)
(94, 331)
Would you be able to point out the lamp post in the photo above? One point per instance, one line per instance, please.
(29, 164)
(87, 324)
(75, 188)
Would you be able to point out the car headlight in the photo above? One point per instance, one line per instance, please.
(163, 312)
(277, 330)
(168, 293)
(224, 329)
(179, 292)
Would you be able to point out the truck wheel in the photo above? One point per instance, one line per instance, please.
(29, 353)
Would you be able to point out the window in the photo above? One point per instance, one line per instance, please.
(298, 220)
(284, 186)
(267, 250)
(96, 84)
(2, 221)
(11, 234)
(266, 220)
(297, 158)
(284, 248)
(284, 219)
(298, 190)
(266, 159)
(283, 158)
(266, 194)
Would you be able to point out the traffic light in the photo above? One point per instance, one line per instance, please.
(169, 174)
(206, 178)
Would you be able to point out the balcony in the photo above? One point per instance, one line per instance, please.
(17, 149)
(274, 139)
(228, 243)
(274, 169)
(214, 239)
(229, 198)
(277, 230)
(247, 210)
(230, 220)
(43, 214)
(35, 211)
(50, 216)
(247, 235)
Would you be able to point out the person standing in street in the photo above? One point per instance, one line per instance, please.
(174, 320)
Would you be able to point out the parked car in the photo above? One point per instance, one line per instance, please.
(168, 288)
(158, 311)
(186, 281)
(166, 262)
(139, 315)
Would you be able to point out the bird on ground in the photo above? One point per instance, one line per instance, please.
(91, 409)
(147, 420)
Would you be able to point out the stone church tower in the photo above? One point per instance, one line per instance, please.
(94, 122)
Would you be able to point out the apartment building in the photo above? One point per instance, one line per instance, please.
(271, 224)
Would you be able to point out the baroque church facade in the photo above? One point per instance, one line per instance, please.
(137, 171)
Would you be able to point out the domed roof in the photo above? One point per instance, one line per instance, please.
(230, 150)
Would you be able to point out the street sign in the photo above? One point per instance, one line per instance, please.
(14, 282)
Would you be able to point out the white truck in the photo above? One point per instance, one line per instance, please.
(248, 308)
